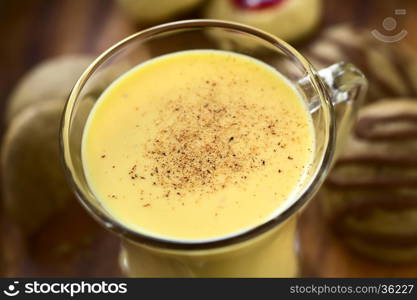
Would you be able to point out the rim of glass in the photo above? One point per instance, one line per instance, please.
(317, 177)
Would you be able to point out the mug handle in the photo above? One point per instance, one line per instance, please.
(346, 87)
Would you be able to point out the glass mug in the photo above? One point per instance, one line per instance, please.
(267, 250)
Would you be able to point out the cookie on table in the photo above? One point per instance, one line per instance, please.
(51, 79)
(290, 20)
(391, 69)
(370, 196)
(150, 11)
(33, 182)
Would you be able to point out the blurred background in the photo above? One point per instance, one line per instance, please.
(362, 223)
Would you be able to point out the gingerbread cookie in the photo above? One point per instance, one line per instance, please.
(391, 69)
(370, 196)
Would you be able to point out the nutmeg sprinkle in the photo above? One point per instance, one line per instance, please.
(208, 144)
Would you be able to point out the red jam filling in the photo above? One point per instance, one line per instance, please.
(256, 4)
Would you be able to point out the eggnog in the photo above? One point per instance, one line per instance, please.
(197, 145)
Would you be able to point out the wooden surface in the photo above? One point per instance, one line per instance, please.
(71, 243)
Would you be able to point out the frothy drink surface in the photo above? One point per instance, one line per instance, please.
(197, 145)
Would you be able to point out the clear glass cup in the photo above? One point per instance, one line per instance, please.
(267, 250)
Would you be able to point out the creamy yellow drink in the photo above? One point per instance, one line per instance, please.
(197, 145)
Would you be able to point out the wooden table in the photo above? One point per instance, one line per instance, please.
(72, 244)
